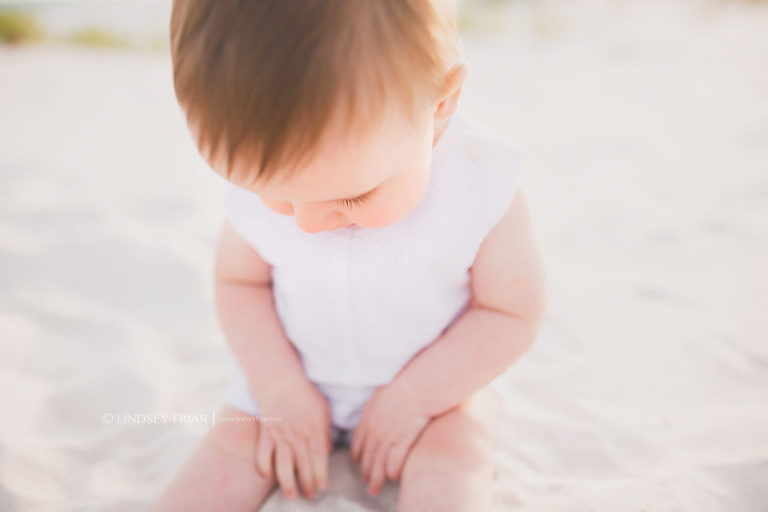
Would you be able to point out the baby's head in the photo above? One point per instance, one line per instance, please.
(328, 109)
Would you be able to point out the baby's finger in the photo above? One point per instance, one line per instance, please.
(377, 470)
(358, 438)
(319, 463)
(264, 452)
(304, 466)
(284, 470)
(369, 450)
(395, 461)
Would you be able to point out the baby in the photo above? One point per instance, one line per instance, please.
(377, 271)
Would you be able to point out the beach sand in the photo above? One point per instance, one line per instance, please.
(644, 129)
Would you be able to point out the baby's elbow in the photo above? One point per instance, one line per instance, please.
(533, 306)
(538, 301)
(530, 294)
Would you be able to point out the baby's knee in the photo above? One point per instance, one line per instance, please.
(460, 441)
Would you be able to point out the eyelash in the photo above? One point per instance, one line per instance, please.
(349, 203)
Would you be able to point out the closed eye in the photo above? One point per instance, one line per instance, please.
(355, 201)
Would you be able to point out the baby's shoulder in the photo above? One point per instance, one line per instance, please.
(486, 168)
(479, 142)
(479, 156)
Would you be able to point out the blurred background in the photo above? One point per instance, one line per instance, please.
(644, 130)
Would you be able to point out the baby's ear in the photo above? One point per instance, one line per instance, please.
(449, 98)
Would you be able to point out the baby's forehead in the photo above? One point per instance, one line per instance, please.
(344, 167)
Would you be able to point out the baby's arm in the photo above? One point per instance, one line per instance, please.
(247, 314)
(499, 326)
(301, 440)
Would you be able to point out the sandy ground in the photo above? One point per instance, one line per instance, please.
(645, 130)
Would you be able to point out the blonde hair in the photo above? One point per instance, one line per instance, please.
(262, 79)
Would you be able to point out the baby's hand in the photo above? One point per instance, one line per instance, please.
(391, 422)
(296, 427)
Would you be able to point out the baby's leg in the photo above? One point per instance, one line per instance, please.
(450, 467)
(221, 473)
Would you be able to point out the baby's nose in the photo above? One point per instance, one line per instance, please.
(314, 219)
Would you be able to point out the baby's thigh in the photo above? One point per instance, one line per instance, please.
(221, 473)
(235, 433)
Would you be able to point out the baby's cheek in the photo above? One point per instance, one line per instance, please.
(382, 216)
(390, 210)
(282, 207)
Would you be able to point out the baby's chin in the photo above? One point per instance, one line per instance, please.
(350, 225)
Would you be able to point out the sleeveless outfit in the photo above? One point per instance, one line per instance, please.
(359, 303)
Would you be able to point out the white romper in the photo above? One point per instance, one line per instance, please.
(359, 303)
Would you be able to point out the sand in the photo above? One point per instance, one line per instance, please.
(644, 127)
